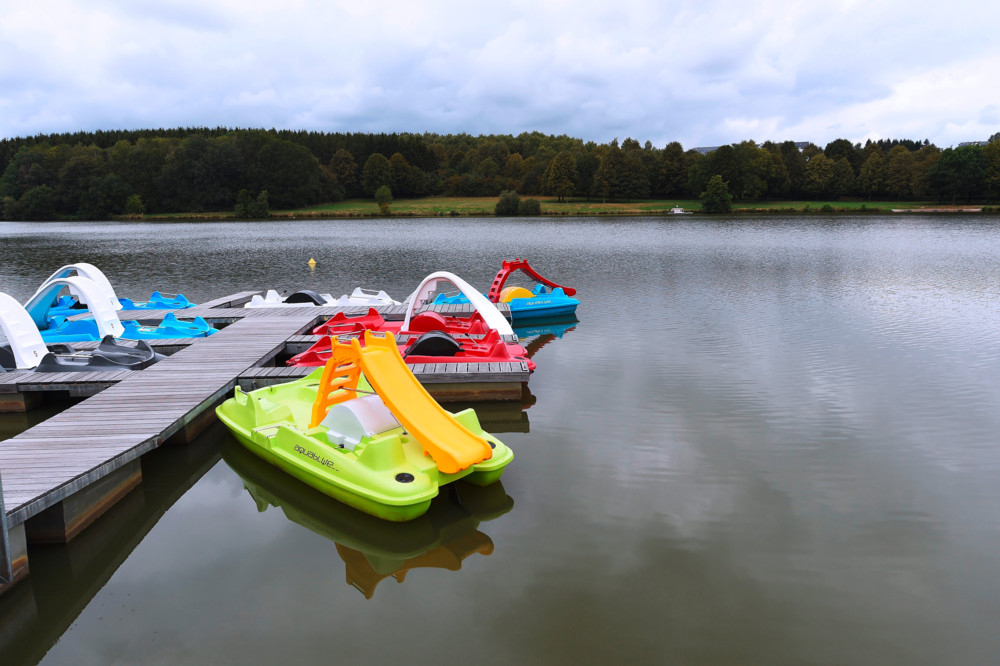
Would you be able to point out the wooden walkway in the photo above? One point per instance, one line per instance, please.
(67, 470)
(428, 374)
(129, 413)
(227, 310)
(78, 446)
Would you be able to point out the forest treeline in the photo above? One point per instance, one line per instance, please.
(95, 175)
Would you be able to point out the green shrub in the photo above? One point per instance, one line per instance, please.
(508, 205)
(529, 207)
(383, 196)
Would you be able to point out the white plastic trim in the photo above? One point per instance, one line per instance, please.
(368, 297)
(347, 422)
(22, 334)
(92, 273)
(429, 286)
(100, 307)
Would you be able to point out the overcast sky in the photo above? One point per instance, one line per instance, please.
(702, 72)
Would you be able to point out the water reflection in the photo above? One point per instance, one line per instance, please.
(535, 336)
(373, 549)
(65, 578)
(788, 456)
(500, 417)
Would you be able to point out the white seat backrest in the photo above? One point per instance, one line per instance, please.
(429, 286)
(100, 307)
(348, 422)
(22, 334)
(92, 273)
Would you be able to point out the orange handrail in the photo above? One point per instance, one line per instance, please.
(342, 371)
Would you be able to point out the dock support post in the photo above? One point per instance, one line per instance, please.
(6, 564)
(20, 402)
(13, 550)
(63, 521)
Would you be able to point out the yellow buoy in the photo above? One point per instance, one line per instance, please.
(312, 263)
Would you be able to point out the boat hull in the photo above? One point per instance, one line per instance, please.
(387, 475)
(394, 513)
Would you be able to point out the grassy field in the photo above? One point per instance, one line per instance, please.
(478, 206)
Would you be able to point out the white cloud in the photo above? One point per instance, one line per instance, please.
(704, 73)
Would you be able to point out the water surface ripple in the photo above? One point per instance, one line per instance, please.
(767, 440)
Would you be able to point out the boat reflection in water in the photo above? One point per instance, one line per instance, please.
(374, 549)
(501, 417)
(65, 577)
(535, 336)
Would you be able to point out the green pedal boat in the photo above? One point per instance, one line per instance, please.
(364, 431)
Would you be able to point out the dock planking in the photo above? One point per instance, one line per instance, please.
(130, 413)
(87, 441)
(222, 311)
(69, 469)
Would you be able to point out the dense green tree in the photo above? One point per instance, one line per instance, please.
(716, 197)
(776, 175)
(924, 160)
(344, 170)
(134, 206)
(871, 178)
(610, 180)
(587, 163)
(818, 176)
(561, 176)
(26, 170)
(291, 175)
(83, 168)
(9, 209)
(94, 174)
(899, 173)
(795, 165)
(401, 180)
(751, 171)
(673, 171)
(698, 173)
(104, 198)
(488, 168)
(843, 148)
(842, 182)
(991, 156)
(242, 209)
(38, 203)
(376, 173)
(260, 206)
(514, 167)
(960, 173)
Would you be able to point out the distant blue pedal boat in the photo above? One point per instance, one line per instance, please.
(547, 300)
(89, 287)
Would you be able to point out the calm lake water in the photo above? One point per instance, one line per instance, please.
(767, 441)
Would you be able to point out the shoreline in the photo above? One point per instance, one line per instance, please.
(332, 215)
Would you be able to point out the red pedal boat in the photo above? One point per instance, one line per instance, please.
(429, 337)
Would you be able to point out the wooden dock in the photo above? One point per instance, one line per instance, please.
(57, 477)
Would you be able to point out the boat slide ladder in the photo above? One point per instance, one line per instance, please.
(509, 267)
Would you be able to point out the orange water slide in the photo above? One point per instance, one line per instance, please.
(450, 444)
